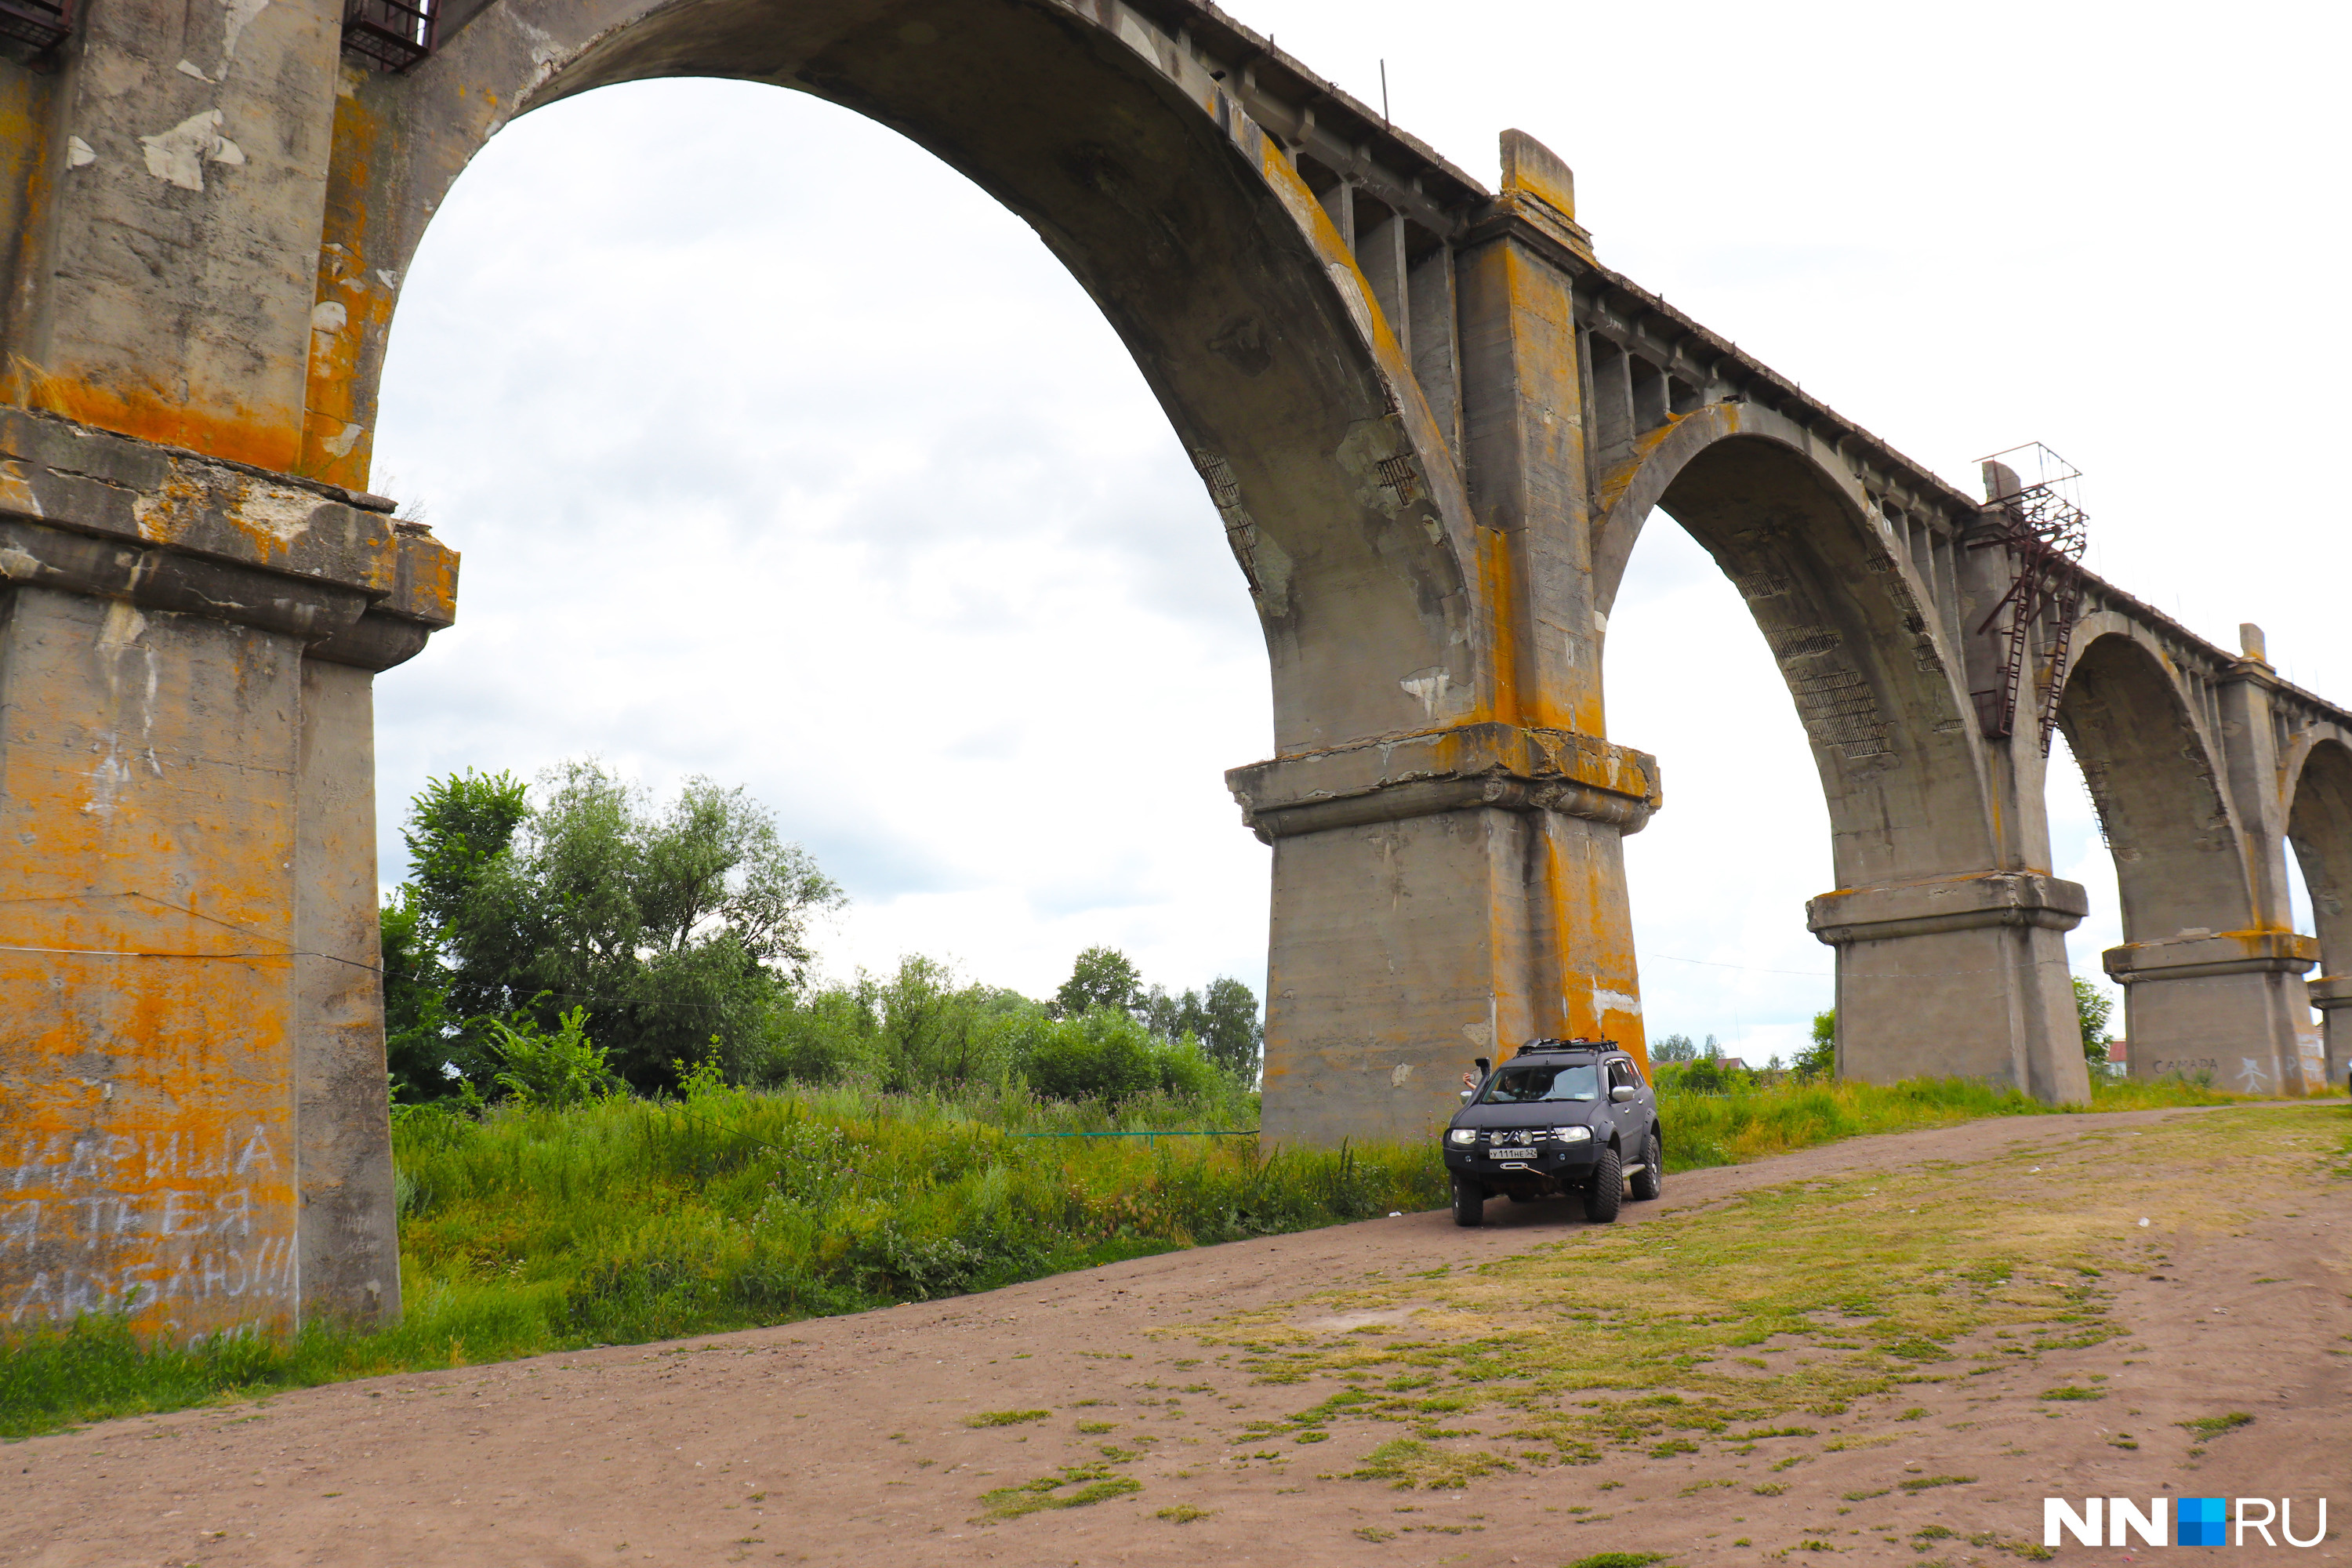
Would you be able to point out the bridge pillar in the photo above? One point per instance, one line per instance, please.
(1437, 897)
(191, 1045)
(1960, 976)
(2224, 997)
(2332, 995)
(2229, 1003)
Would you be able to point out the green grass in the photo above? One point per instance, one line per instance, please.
(2214, 1426)
(635, 1220)
(1753, 1122)
(1078, 1486)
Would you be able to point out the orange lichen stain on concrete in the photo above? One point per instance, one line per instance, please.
(148, 1166)
(1499, 689)
(146, 964)
(1601, 993)
(428, 579)
(273, 518)
(351, 316)
(147, 1158)
(26, 186)
(1338, 258)
(1544, 316)
(264, 438)
(1612, 485)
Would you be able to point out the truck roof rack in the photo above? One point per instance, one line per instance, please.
(1567, 1046)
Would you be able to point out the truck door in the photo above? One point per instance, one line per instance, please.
(1630, 1117)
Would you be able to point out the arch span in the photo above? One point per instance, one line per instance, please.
(1243, 308)
(2154, 775)
(1848, 623)
(2200, 954)
(1927, 889)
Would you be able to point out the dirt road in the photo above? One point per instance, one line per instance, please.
(1171, 1388)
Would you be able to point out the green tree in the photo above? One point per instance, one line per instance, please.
(1109, 1054)
(457, 828)
(1102, 977)
(417, 1024)
(1229, 1030)
(1223, 1019)
(1673, 1048)
(2093, 1010)
(1819, 1059)
(679, 928)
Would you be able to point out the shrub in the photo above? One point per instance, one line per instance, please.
(556, 1070)
(1108, 1056)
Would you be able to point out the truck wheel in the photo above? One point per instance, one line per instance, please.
(1469, 1204)
(1607, 1192)
(1652, 1182)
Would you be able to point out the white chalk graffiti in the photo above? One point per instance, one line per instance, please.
(263, 1272)
(143, 1221)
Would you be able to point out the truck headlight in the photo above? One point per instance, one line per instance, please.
(1469, 1135)
(1573, 1134)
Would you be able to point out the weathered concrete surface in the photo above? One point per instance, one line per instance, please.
(1431, 425)
(1439, 897)
(191, 1046)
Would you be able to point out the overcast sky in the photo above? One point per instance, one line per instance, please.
(778, 454)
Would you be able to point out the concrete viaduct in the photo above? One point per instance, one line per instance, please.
(1433, 425)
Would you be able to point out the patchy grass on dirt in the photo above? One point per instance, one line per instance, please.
(1744, 1328)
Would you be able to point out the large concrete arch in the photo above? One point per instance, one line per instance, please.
(1848, 623)
(2157, 780)
(2199, 949)
(1245, 310)
(1917, 847)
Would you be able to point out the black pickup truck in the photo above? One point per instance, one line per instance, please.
(1561, 1116)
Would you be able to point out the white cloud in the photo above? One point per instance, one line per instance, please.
(779, 453)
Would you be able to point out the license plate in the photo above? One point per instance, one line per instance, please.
(1513, 1151)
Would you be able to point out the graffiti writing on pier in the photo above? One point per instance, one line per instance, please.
(151, 1225)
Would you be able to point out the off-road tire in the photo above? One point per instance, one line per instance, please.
(1469, 1203)
(1652, 1182)
(1607, 1194)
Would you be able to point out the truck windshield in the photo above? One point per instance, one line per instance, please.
(1523, 1083)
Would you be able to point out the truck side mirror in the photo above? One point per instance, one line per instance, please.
(1466, 1094)
(1622, 1092)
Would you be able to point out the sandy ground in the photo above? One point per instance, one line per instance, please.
(843, 1440)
